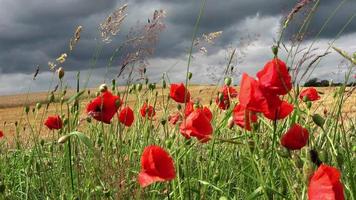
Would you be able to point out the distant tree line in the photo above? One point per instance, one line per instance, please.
(315, 82)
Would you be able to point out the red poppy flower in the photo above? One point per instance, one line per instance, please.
(104, 107)
(1, 134)
(251, 96)
(156, 165)
(174, 118)
(325, 184)
(198, 125)
(208, 113)
(274, 77)
(126, 116)
(223, 100)
(309, 94)
(295, 138)
(147, 110)
(178, 93)
(243, 117)
(54, 122)
(189, 108)
(279, 112)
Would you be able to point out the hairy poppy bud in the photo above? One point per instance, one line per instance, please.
(144, 70)
(190, 75)
(27, 109)
(146, 81)
(163, 121)
(38, 106)
(63, 139)
(138, 87)
(179, 107)
(228, 81)
(275, 50)
(60, 72)
(230, 123)
(152, 86)
(113, 82)
(314, 157)
(164, 84)
(309, 104)
(103, 87)
(318, 120)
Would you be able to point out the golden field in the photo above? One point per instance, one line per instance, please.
(12, 106)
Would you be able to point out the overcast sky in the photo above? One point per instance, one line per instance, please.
(34, 32)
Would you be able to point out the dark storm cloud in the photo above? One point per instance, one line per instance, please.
(38, 31)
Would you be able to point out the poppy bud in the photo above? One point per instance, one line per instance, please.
(103, 88)
(221, 96)
(190, 75)
(324, 156)
(65, 121)
(113, 82)
(146, 81)
(88, 92)
(51, 98)
(275, 50)
(144, 70)
(228, 81)
(163, 121)
(318, 120)
(16, 123)
(309, 104)
(138, 87)
(179, 107)
(38, 106)
(63, 139)
(230, 123)
(164, 84)
(60, 72)
(314, 157)
(152, 86)
(88, 119)
(27, 109)
(196, 105)
(210, 102)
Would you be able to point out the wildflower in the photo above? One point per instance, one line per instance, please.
(179, 93)
(126, 116)
(198, 125)
(1, 134)
(325, 184)
(295, 138)
(104, 107)
(251, 96)
(223, 100)
(156, 165)
(54, 122)
(147, 110)
(274, 77)
(174, 118)
(309, 94)
(189, 108)
(243, 117)
(280, 112)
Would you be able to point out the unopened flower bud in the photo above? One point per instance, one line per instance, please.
(138, 87)
(27, 109)
(152, 86)
(63, 139)
(103, 88)
(228, 81)
(164, 84)
(146, 81)
(38, 106)
(60, 72)
(230, 123)
(179, 107)
(190, 75)
(275, 50)
(318, 120)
